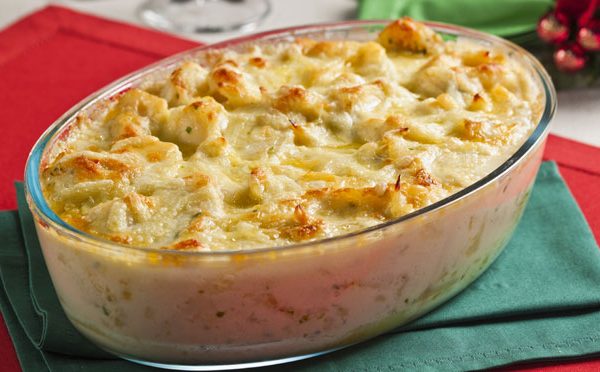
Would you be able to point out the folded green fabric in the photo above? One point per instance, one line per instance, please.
(500, 17)
(540, 299)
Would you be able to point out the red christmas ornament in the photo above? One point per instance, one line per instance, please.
(589, 35)
(570, 57)
(573, 9)
(587, 11)
(554, 27)
(573, 25)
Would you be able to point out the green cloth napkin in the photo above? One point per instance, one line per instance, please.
(500, 17)
(539, 300)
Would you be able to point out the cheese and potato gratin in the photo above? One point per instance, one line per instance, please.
(292, 141)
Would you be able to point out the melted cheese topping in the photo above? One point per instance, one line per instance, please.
(292, 142)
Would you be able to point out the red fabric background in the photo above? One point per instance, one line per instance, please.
(55, 57)
(51, 60)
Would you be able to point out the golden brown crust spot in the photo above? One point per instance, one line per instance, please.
(371, 201)
(302, 232)
(121, 239)
(446, 101)
(140, 206)
(198, 224)
(214, 147)
(298, 226)
(129, 131)
(479, 103)
(489, 74)
(305, 43)
(154, 156)
(132, 198)
(473, 130)
(424, 179)
(139, 103)
(228, 84)
(257, 183)
(318, 176)
(301, 137)
(300, 214)
(397, 124)
(328, 49)
(225, 76)
(258, 173)
(258, 62)
(481, 57)
(349, 97)
(213, 56)
(92, 168)
(197, 104)
(185, 245)
(230, 62)
(196, 181)
(352, 90)
(76, 221)
(176, 77)
(297, 99)
(127, 124)
(409, 36)
(289, 202)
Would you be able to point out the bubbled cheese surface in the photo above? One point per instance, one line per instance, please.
(291, 142)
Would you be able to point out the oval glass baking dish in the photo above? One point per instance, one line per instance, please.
(226, 309)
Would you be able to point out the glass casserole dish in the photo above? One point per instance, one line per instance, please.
(223, 309)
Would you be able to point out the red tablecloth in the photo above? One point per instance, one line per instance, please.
(55, 57)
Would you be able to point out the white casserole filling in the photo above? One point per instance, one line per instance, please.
(292, 142)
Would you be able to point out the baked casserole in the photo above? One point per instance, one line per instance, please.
(291, 142)
(288, 194)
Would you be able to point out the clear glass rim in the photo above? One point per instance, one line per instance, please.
(39, 206)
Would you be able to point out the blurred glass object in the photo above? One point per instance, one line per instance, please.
(202, 16)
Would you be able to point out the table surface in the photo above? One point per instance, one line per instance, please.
(578, 115)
